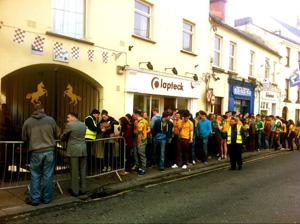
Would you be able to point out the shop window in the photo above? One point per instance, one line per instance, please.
(188, 35)
(182, 104)
(217, 51)
(68, 17)
(142, 19)
(169, 103)
(232, 56)
(217, 106)
(251, 63)
(141, 102)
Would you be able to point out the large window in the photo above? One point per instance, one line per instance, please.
(217, 51)
(232, 56)
(188, 33)
(68, 17)
(274, 72)
(267, 68)
(142, 19)
(288, 54)
(287, 90)
(251, 63)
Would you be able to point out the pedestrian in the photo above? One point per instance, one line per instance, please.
(235, 142)
(186, 132)
(40, 132)
(267, 132)
(162, 133)
(74, 134)
(204, 129)
(141, 127)
(259, 132)
(291, 134)
(107, 125)
(92, 130)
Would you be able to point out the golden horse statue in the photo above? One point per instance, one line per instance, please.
(35, 96)
(73, 97)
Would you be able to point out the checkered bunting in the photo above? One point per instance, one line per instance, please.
(58, 49)
(38, 44)
(75, 52)
(19, 36)
(105, 57)
(91, 55)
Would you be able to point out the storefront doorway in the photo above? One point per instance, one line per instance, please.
(60, 89)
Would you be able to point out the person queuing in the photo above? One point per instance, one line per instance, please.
(204, 129)
(74, 134)
(235, 142)
(39, 131)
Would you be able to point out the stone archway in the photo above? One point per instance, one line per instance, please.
(285, 111)
(61, 89)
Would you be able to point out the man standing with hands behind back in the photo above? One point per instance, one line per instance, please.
(74, 134)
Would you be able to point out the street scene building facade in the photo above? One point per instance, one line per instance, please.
(190, 59)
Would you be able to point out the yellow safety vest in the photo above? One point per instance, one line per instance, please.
(89, 134)
(239, 139)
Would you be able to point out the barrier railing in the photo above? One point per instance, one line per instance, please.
(105, 156)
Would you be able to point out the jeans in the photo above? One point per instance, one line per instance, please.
(162, 144)
(267, 143)
(42, 171)
(203, 143)
(140, 156)
(259, 140)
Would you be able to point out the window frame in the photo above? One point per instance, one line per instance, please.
(252, 63)
(149, 16)
(267, 68)
(287, 90)
(218, 51)
(274, 72)
(190, 33)
(61, 32)
(232, 56)
(288, 55)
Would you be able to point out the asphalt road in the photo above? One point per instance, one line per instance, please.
(265, 191)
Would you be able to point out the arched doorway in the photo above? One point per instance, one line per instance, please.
(61, 89)
(285, 113)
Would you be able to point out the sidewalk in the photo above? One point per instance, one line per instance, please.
(12, 201)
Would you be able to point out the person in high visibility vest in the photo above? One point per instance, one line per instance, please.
(235, 144)
(91, 134)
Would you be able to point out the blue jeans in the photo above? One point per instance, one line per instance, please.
(203, 144)
(162, 144)
(42, 171)
(259, 140)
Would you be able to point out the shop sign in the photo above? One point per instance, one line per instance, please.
(269, 95)
(156, 84)
(242, 91)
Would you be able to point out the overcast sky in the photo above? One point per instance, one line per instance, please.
(286, 10)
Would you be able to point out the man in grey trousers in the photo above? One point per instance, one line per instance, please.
(74, 134)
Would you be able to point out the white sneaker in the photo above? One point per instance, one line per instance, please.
(184, 167)
(194, 162)
(174, 166)
(220, 158)
(104, 169)
(109, 169)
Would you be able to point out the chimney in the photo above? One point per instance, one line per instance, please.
(217, 8)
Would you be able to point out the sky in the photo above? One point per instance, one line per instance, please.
(285, 10)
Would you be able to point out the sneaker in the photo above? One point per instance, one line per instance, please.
(133, 168)
(205, 163)
(104, 169)
(109, 169)
(194, 162)
(184, 167)
(29, 202)
(220, 158)
(141, 172)
(161, 169)
(174, 166)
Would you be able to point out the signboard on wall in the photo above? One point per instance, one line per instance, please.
(155, 84)
(242, 91)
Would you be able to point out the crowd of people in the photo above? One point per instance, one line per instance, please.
(171, 139)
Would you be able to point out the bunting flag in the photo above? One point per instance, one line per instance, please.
(58, 49)
(295, 80)
(19, 36)
(75, 52)
(38, 45)
(91, 55)
(104, 57)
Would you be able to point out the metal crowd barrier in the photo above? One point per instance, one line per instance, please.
(105, 156)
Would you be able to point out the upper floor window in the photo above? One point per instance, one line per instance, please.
(68, 17)
(188, 33)
(274, 72)
(217, 51)
(267, 68)
(142, 19)
(287, 90)
(251, 63)
(232, 56)
(288, 54)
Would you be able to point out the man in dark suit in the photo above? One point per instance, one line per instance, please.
(74, 134)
